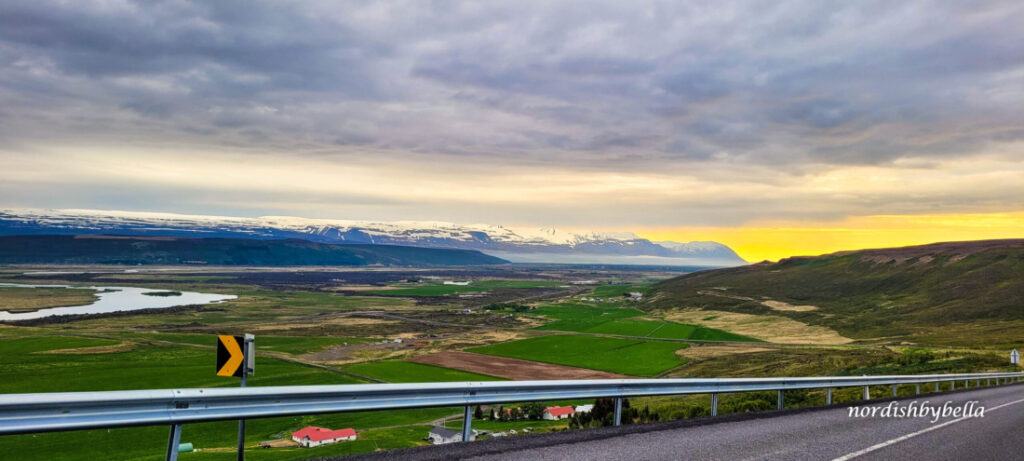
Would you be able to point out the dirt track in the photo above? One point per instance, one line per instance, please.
(515, 369)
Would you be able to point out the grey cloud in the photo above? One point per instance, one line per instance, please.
(647, 85)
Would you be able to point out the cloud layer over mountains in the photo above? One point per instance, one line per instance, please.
(767, 102)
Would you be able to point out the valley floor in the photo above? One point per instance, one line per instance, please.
(342, 326)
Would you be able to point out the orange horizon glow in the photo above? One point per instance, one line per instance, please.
(772, 241)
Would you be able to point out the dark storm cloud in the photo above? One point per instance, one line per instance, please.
(664, 83)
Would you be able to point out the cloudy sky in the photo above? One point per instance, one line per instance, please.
(776, 127)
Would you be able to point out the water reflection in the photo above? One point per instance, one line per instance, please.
(115, 299)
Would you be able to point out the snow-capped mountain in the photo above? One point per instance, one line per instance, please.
(517, 245)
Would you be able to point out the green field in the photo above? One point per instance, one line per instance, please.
(580, 316)
(629, 357)
(149, 443)
(396, 371)
(29, 365)
(644, 328)
(489, 425)
(27, 368)
(295, 345)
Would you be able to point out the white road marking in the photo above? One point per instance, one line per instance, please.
(915, 434)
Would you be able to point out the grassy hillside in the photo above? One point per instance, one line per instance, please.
(100, 249)
(969, 293)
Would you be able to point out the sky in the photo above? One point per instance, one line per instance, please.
(776, 127)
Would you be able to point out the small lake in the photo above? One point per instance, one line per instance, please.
(115, 299)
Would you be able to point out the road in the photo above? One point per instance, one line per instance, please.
(805, 434)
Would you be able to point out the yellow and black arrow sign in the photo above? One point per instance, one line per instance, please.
(230, 358)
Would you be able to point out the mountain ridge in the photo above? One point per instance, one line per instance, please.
(966, 293)
(533, 245)
(165, 250)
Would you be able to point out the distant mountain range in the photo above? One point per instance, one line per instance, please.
(109, 249)
(519, 245)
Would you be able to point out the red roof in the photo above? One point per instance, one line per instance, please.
(317, 434)
(559, 411)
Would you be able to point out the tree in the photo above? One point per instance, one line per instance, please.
(604, 412)
(533, 410)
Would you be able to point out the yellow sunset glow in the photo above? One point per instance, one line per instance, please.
(775, 240)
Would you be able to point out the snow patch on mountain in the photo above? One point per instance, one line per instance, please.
(542, 244)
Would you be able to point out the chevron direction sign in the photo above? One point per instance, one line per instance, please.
(235, 355)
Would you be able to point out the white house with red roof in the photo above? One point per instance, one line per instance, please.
(315, 436)
(553, 413)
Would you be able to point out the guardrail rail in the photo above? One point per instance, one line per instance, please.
(66, 411)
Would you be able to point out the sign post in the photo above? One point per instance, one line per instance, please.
(1014, 357)
(236, 357)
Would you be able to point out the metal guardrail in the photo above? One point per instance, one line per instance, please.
(33, 413)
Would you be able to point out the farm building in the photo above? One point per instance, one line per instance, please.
(553, 413)
(441, 436)
(315, 436)
(584, 408)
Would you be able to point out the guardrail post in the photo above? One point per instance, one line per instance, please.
(917, 388)
(867, 393)
(467, 424)
(618, 411)
(977, 383)
(936, 386)
(714, 404)
(172, 442)
(988, 382)
(952, 385)
(967, 384)
(780, 399)
(828, 396)
(241, 422)
(895, 388)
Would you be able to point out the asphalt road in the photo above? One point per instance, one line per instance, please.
(806, 434)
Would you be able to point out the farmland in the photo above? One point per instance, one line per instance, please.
(629, 357)
(329, 326)
(396, 371)
(72, 363)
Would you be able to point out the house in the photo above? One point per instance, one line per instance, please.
(458, 284)
(636, 295)
(315, 436)
(584, 408)
(553, 413)
(440, 436)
